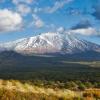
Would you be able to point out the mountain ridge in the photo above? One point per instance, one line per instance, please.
(46, 43)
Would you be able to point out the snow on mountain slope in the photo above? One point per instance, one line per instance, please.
(50, 43)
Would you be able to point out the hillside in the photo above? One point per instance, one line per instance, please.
(17, 66)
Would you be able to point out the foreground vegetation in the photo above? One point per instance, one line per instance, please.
(15, 90)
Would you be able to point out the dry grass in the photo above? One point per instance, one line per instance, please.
(15, 90)
(92, 93)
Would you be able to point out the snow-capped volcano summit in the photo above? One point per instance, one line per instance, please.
(50, 43)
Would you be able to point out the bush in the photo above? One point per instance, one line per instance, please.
(71, 85)
(82, 86)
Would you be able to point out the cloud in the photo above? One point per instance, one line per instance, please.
(23, 9)
(96, 13)
(22, 1)
(37, 9)
(23, 6)
(38, 23)
(75, 11)
(86, 31)
(9, 21)
(82, 24)
(60, 29)
(84, 27)
(58, 4)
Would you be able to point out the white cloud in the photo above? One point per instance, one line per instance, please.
(90, 31)
(22, 6)
(37, 9)
(29, 1)
(86, 31)
(23, 9)
(57, 5)
(22, 1)
(38, 23)
(60, 30)
(51, 9)
(9, 21)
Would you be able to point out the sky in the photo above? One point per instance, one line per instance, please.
(26, 18)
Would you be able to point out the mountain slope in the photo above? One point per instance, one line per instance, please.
(50, 43)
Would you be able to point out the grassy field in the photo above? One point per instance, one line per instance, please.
(15, 90)
(94, 64)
